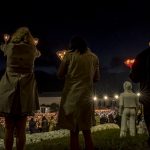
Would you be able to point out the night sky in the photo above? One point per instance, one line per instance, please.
(113, 30)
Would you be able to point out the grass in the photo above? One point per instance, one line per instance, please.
(103, 140)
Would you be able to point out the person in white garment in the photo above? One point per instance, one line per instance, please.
(80, 69)
(128, 106)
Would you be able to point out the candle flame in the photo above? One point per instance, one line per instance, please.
(129, 62)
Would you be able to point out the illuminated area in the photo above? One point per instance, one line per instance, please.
(6, 37)
(138, 94)
(95, 98)
(36, 41)
(129, 62)
(116, 96)
(105, 97)
(61, 54)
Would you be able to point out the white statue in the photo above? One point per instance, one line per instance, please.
(128, 106)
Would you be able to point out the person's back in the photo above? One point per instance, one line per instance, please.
(128, 105)
(80, 68)
(45, 124)
(20, 56)
(79, 78)
(32, 126)
(129, 99)
(140, 69)
(18, 88)
(20, 70)
(140, 73)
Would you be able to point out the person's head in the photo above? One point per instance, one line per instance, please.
(43, 118)
(79, 44)
(127, 86)
(32, 119)
(22, 34)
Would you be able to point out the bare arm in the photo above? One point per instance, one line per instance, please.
(3, 48)
(38, 53)
(63, 67)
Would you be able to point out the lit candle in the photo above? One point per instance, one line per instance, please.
(129, 62)
(36, 41)
(6, 37)
(61, 54)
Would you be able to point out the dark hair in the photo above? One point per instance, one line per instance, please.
(78, 43)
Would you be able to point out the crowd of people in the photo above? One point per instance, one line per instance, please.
(40, 122)
(107, 116)
(45, 122)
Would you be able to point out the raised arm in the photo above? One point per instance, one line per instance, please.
(63, 67)
(38, 53)
(3, 48)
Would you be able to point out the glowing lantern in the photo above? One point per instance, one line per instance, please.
(129, 62)
(61, 54)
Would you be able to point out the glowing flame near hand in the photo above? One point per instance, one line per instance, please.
(61, 54)
(129, 62)
(6, 37)
(36, 41)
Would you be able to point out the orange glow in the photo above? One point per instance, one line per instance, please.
(61, 54)
(129, 62)
(6, 37)
(36, 40)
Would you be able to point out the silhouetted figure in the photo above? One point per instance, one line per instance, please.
(140, 73)
(45, 124)
(103, 119)
(18, 90)
(128, 105)
(80, 68)
(32, 126)
(110, 118)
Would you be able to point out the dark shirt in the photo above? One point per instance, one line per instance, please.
(140, 73)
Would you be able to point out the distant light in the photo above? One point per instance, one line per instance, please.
(95, 98)
(116, 96)
(138, 94)
(106, 97)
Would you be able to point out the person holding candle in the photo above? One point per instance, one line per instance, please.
(18, 89)
(80, 69)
